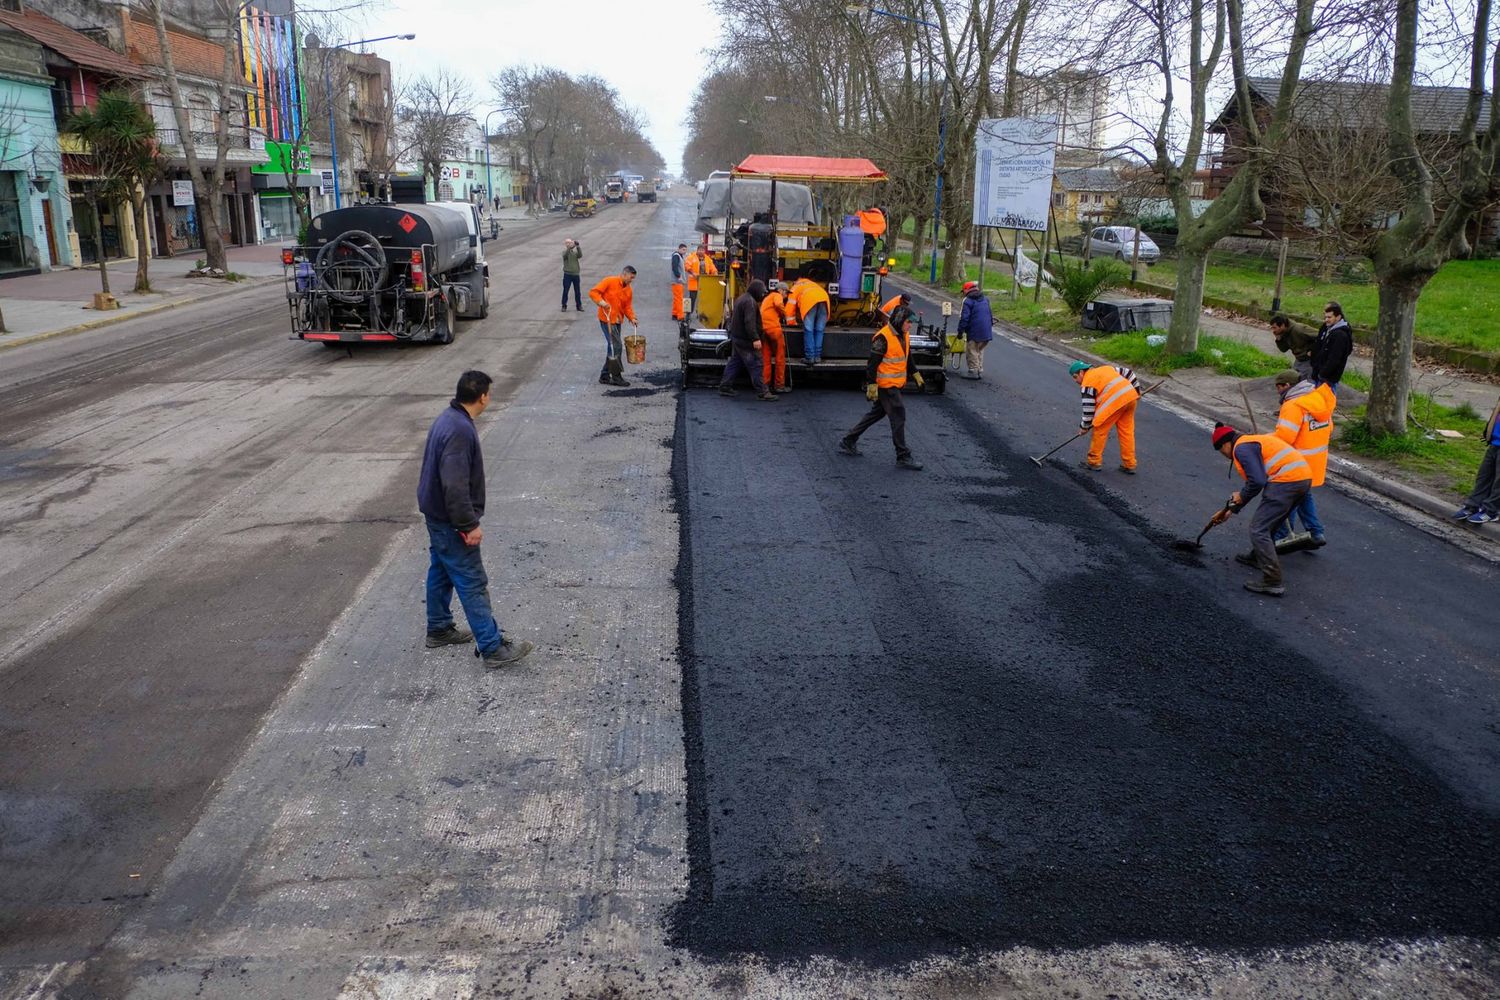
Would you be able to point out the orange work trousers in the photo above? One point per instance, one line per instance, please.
(678, 313)
(1123, 421)
(775, 343)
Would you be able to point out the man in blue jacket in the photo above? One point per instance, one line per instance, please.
(450, 494)
(977, 324)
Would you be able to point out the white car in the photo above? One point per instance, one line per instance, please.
(1119, 242)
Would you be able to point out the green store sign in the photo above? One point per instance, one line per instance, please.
(280, 159)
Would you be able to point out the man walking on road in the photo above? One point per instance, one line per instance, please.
(678, 276)
(1306, 423)
(977, 324)
(745, 343)
(450, 494)
(1274, 471)
(1110, 394)
(889, 366)
(1335, 343)
(616, 304)
(572, 274)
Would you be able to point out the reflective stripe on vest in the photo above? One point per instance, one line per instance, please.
(1112, 395)
(1285, 464)
(891, 373)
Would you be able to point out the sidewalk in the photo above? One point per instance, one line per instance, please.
(55, 302)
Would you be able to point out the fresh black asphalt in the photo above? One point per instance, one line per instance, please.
(987, 705)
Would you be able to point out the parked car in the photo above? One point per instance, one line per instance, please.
(1119, 242)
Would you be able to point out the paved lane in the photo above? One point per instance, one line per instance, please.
(186, 505)
(985, 707)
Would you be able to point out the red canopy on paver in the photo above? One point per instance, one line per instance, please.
(810, 169)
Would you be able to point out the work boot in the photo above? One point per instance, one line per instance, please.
(507, 653)
(1129, 470)
(767, 396)
(450, 636)
(1319, 541)
(1090, 466)
(1247, 559)
(1262, 587)
(782, 390)
(908, 462)
(604, 378)
(580, 308)
(972, 375)
(848, 447)
(728, 390)
(565, 307)
(619, 380)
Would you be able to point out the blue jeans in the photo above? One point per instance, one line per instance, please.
(1307, 512)
(812, 332)
(614, 347)
(457, 566)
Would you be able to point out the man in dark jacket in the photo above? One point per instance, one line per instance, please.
(1296, 340)
(450, 494)
(745, 343)
(572, 274)
(1335, 343)
(889, 367)
(977, 324)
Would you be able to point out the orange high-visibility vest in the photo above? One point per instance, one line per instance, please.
(1111, 391)
(1306, 423)
(693, 265)
(891, 373)
(770, 314)
(1283, 463)
(890, 305)
(872, 221)
(804, 295)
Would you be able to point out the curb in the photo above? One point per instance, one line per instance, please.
(122, 316)
(1353, 472)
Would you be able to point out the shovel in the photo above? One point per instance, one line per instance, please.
(1197, 543)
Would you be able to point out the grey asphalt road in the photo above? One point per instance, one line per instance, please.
(798, 725)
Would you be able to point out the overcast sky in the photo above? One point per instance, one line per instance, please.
(652, 53)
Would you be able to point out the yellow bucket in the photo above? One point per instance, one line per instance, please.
(635, 348)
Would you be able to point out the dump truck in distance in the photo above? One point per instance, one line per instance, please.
(385, 273)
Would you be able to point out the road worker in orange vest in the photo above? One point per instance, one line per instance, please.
(807, 303)
(774, 354)
(1110, 393)
(616, 304)
(889, 366)
(1306, 423)
(891, 303)
(699, 262)
(1279, 475)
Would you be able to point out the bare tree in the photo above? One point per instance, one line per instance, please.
(1434, 221)
(435, 114)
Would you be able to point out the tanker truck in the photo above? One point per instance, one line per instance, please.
(385, 273)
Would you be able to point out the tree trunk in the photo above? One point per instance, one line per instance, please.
(1391, 384)
(99, 245)
(1187, 305)
(918, 243)
(142, 249)
(208, 226)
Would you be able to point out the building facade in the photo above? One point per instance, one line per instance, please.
(36, 219)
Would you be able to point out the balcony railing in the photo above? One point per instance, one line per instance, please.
(210, 139)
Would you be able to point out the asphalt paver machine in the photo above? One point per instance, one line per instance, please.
(766, 221)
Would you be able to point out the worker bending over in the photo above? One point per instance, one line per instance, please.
(1278, 474)
(890, 304)
(616, 304)
(1110, 393)
(1306, 423)
(809, 304)
(886, 373)
(773, 352)
(698, 264)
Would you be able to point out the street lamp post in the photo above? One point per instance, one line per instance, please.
(333, 143)
(937, 206)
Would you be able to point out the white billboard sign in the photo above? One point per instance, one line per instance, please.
(1013, 172)
(182, 194)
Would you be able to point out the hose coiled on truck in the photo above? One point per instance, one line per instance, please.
(362, 257)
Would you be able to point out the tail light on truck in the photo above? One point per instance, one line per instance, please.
(418, 272)
(286, 257)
